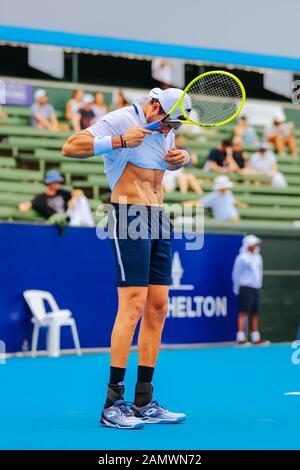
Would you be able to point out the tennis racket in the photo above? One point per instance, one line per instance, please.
(216, 98)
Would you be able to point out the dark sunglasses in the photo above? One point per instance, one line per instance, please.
(172, 124)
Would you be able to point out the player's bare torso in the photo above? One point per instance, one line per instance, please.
(139, 186)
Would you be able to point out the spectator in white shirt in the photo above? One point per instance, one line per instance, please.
(42, 113)
(73, 105)
(264, 163)
(247, 278)
(245, 132)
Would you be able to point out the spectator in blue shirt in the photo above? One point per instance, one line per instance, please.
(247, 281)
(221, 201)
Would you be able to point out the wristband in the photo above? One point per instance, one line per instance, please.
(102, 145)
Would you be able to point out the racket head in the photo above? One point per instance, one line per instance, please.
(217, 97)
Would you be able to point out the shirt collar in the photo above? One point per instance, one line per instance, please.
(139, 111)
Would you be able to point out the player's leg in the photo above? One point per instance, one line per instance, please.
(131, 305)
(149, 338)
(132, 262)
(151, 329)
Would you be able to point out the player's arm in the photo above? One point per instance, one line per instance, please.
(84, 144)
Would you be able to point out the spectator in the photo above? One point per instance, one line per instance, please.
(280, 134)
(247, 281)
(221, 201)
(86, 115)
(220, 159)
(185, 178)
(245, 132)
(42, 113)
(264, 163)
(73, 105)
(121, 101)
(240, 159)
(99, 106)
(73, 205)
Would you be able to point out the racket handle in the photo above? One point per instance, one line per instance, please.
(153, 126)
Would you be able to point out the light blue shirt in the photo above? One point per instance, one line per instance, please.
(150, 154)
(247, 270)
(221, 204)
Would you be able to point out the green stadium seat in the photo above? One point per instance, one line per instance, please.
(20, 175)
(7, 162)
(31, 132)
(29, 189)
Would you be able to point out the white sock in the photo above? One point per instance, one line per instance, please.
(255, 336)
(240, 336)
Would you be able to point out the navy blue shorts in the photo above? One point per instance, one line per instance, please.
(141, 238)
(248, 300)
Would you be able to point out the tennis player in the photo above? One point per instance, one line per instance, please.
(135, 161)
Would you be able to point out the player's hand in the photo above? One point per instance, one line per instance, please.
(176, 157)
(135, 136)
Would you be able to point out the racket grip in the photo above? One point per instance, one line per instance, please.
(153, 126)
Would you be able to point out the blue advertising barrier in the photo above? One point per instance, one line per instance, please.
(78, 269)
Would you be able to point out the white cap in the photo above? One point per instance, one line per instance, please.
(169, 97)
(222, 182)
(251, 240)
(88, 98)
(39, 94)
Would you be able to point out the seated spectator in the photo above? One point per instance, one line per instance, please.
(264, 163)
(245, 132)
(221, 201)
(3, 114)
(185, 178)
(99, 106)
(86, 115)
(73, 105)
(280, 134)
(120, 102)
(240, 159)
(55, 200)
(42, 113)
(220, 159)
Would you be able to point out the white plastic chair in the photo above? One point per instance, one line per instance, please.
(53, 320)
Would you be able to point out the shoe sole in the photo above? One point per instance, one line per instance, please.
(104, 422)
(163, 421)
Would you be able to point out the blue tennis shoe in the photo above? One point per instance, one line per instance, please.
(120, 416)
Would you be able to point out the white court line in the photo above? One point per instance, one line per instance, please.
(291, 393)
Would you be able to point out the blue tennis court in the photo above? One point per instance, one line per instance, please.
(236, 400)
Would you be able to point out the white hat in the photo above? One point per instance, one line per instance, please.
(169, 97)
(39, 94)
(251, 240)
(222, 182)
(88, 98)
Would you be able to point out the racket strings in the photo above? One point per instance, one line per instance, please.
(215, 98)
